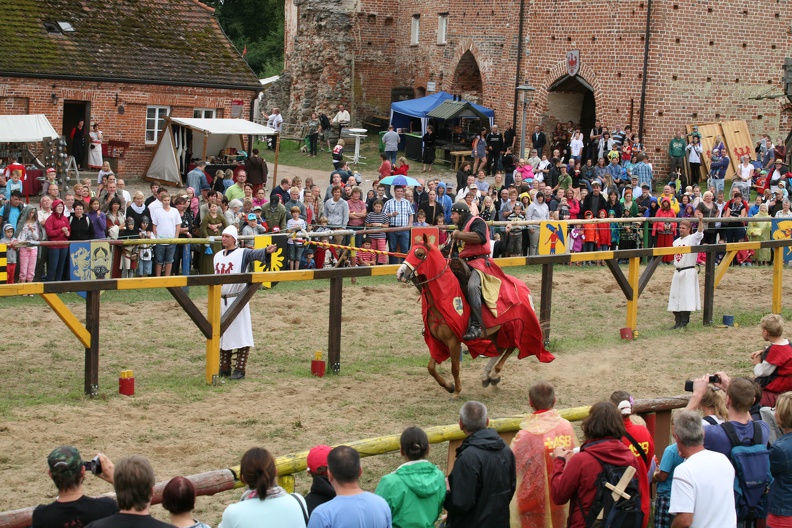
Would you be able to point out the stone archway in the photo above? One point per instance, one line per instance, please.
(467, 79)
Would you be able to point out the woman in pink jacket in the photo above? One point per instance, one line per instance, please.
(58, 229)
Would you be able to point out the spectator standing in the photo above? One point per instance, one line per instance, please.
(643, 170)
(282, 191)
(538, 141)
(80, 227)
(72, 507)
(779, 509)
(212, 225)
(77, 149)
(391, 141)
(415, 491)
(538, 210)
(264, 504)
(718, 166)
(178, 499)
(702, 489)
(378, 220)
(313, 135)
(237, 191)
(400, 213)
(495, 150)
(275, 214)
(134, 481)
(429, 148)
(58, 229)
(676, 151)
(575, 475)
(664, 476)
(257, 170)
(665, 231)
(352, 507)
(694, 153)
(321, 489)
(684, 296)
(196, 178)
(533, 446)
(166, 221)
(483, 480)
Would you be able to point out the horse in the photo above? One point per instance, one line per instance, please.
(446, 312)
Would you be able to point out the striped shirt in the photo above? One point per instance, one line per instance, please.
(404, 209)
(644, 173)
(377, 218)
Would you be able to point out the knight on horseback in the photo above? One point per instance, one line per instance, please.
(473, 232)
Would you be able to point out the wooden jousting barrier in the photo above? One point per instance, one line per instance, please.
(656, 412)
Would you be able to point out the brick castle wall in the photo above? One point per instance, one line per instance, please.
(34, 96)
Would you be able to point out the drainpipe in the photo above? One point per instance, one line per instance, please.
(517, 81)
(642, 108)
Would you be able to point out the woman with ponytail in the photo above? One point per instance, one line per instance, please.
(416, 490)
(264, 504)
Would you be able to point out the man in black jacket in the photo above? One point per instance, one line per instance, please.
(321, 489)
(538, 141)
(483, 480)
(595, 200)
(495, 150)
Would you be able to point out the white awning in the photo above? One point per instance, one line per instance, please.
(25, 128)
(225, 126)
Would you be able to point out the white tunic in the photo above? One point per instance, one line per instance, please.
(95, 150)
(685, 295)
(240, 333)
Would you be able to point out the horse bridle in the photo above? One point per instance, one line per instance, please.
(415, 270)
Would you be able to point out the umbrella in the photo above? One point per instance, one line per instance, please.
(400, 180)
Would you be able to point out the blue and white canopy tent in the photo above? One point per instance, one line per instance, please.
(402, 112)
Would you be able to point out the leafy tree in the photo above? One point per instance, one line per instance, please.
(257, 25)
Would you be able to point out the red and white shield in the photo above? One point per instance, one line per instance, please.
(573, 62)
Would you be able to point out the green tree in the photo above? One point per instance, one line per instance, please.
(257, 25)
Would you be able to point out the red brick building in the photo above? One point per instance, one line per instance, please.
(705, 62)
(123, 64)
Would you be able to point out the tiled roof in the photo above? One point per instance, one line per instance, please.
(170, 41)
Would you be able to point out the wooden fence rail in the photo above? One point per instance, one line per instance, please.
(656, 412)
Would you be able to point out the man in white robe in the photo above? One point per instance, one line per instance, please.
(239, 335)
(685, 297)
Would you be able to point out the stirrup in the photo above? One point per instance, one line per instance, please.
(474, 332)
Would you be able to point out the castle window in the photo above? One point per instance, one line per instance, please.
(414, 30)
(442, 27)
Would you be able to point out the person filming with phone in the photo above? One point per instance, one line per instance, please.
(72, 507)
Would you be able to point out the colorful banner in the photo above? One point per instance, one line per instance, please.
(552, 238)
(89, 261)
(782, 230)
(417, 234)
(277, 258)
(3, 263)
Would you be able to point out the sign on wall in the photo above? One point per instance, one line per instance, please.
(573, 62)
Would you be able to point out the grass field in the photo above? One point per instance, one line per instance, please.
(186, 427)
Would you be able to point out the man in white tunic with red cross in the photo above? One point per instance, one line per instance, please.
(685, 297)
(239, 335)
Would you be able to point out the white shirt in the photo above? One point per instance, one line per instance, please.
(704, 486)
(746, 172)
(275, 121)
(341, 117)
(167, 222)
(576, 145)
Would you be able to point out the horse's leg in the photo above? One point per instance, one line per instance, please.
(444, 334)
(485, 379)
(494, 374)
(432, 367)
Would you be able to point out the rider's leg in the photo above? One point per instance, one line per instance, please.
(474, 300)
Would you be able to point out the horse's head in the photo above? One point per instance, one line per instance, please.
(423, 259)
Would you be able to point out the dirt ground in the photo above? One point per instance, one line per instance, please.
(185, 427)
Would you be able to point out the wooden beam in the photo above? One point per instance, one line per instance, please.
(62, 311)
(92, 352)
(239, 302)
(191, 310)
(545, 308)
(778, 275)
(334, 331)
(662, 434)
(723, 267)
(621, 280)
(709, 289)
(646, 276)
(213, 342)
(632, 301)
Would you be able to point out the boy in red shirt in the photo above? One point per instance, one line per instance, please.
(773, 365)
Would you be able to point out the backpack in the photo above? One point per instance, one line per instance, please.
(324, 121)
(752, 476)
(621, 513)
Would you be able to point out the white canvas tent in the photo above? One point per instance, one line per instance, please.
(25, 128)
(184, 139)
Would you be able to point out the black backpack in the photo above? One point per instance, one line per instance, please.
(622, 513)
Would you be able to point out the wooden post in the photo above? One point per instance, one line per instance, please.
(632, 304)
(213, 343)
(92, 352)
(277, 152)
(662, 432)
(334, 333)
(709, 289)
(546, 301)
(778, 274)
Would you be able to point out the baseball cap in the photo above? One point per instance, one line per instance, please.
(645, 186)
(258, 207)
(50, 170)
(65, 458)
(251, 216)
(317, 457)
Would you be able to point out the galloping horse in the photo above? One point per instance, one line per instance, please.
(446, 313)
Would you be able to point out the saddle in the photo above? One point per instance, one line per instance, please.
(461, 271)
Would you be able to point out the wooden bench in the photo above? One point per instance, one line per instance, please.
(294, 132)
(459, 156)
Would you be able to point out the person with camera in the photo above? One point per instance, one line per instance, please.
(72, 508)
(684, 296)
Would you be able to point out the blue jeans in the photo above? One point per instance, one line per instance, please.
(392, 157)
(164, 253)
(718, 184)
(400, 239)
(56, 261)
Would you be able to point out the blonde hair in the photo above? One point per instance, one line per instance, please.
(773, 324)
(714, 399)
(783, 411)
(138, 194)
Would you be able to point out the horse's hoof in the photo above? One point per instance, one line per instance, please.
(495, 381)
(451, 389)
(486, 382)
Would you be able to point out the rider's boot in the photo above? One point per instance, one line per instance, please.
(474, 300)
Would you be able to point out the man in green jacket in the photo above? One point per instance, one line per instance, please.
(676, 151)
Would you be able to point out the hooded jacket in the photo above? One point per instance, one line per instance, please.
(415, 493)
(321, 491)
(576, 480)
(55, 224)
(482, 482)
